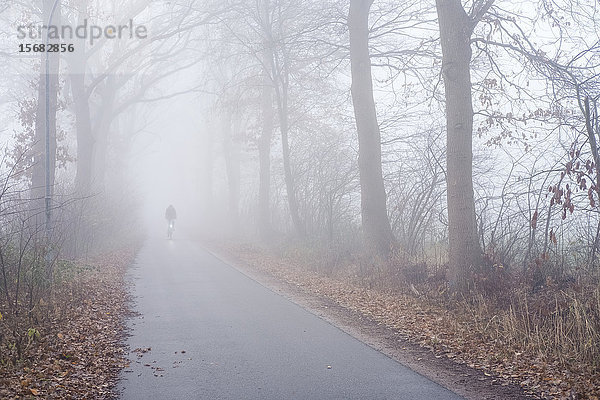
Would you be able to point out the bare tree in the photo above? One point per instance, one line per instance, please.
(123, 80)
(572, 91)
(279, 65)
(275, 34)
(264, 156)
(456, 28)
(375, 221)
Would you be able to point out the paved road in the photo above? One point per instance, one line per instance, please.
(214, 334)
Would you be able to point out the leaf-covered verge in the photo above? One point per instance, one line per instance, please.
(548, 343)
(71, 343)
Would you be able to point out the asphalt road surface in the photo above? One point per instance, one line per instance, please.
(207, 331)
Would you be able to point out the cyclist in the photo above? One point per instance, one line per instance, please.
(171, 216)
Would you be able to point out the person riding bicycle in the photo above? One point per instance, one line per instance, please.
(171, 216)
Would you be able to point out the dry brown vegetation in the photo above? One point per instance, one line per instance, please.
(546, 341)
(69, 345)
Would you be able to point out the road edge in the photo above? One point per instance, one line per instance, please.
(461, 379)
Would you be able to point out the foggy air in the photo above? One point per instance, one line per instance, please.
(285, 199)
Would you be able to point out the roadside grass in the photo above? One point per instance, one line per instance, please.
(547, 341)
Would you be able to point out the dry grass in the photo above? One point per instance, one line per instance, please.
(554, 334)
(563, 325)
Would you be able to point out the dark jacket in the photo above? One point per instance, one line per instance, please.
(170, 213)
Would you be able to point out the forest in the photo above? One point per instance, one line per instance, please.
(433, 165)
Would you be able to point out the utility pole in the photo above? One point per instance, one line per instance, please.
(48, 194)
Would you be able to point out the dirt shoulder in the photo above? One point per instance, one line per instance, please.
(358, 312)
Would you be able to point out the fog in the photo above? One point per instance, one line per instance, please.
(252, 119)
(165, 168)
(442, 150)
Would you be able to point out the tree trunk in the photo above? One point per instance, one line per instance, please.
(101, 134)
(287, 169)
(38, 178)
(281, 95)
(375, 222)
(231, 147)
(464, 250)
(264, 158)
(206, 177)
(85, 141)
